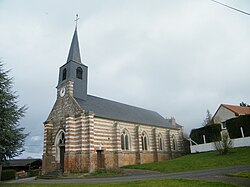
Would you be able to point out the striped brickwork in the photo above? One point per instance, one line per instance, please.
(84, 135)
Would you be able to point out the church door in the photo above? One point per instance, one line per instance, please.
(62, 151)
(100, 159)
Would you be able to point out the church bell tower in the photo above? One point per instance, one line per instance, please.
(73, 70)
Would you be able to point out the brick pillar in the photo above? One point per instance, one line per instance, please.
(168, 144)
(70, 87)
(47, 148)
(68, 157)
(137, 145)
(116, 144)
(91, 149)
(154, 146)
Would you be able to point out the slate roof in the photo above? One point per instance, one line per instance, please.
(74, 51)
(118, 111)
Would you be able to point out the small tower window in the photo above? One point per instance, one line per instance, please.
(79, 73)
(64, 74)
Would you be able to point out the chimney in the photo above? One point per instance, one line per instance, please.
(172, 121)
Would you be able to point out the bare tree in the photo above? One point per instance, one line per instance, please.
(208, 120)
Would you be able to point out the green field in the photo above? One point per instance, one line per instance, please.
(157, 183)
(199, 161)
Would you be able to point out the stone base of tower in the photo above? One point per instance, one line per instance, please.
(76, 162)
(48, 164)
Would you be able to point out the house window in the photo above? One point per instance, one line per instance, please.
(79, 73)
(144, 141)
(224, 124)
(174, 143)
(64, 74)
(160, 142)
(125, 140)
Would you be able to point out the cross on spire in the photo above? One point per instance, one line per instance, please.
(77, 18)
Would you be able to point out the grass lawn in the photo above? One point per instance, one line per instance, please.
(157, 183)
(199, 161)
(241, 174)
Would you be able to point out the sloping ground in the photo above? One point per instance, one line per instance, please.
(199, 161)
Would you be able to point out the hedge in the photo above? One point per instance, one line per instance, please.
(34, 172)
(8, 174)
(233, 126)
(211, 132)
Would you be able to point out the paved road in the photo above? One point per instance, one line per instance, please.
(217, 175)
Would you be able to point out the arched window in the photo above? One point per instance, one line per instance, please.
(160, 142)
(61, 139)
(79, 73)
(125, 140)
(174, 143)
(144, 141)
(64, 74)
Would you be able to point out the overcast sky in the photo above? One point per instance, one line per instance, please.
(178, 58)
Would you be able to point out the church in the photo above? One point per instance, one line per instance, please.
(85, 133)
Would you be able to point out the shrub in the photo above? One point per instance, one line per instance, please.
(211, 132)
(224, 145)
(233, 126)
(34, 172)
(8, 174)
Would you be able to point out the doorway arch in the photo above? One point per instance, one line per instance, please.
(60, 148)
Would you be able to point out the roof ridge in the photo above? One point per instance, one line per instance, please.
(122, 103)
(235, 105)
(237, 109)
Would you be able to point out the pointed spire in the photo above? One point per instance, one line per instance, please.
(74, 52)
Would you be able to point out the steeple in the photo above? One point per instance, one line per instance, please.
(74, 51)
(74, 70)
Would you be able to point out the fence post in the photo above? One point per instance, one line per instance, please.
(1, 171)
(204, 139)
(190, 141)
(242, 133)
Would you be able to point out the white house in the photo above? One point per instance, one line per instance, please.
(225, 112)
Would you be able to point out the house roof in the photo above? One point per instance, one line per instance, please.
(118, 111)
(238, 110)
(21, 162)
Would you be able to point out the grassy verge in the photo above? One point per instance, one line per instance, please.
(199, 161)
(241, 174)
(157, 183)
